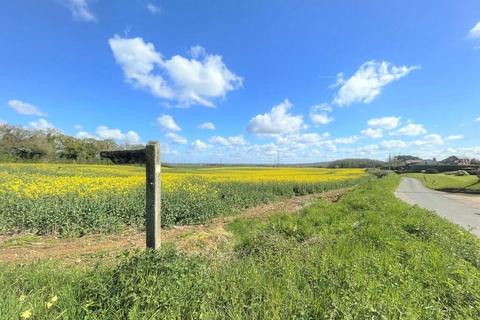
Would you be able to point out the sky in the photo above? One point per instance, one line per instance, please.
(250, 81)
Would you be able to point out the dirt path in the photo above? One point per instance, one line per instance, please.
(207, 238)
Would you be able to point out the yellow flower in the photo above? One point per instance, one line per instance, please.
(22, 297)
(26, 314)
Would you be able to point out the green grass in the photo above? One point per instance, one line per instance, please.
(445, 182)
(368, 256)
(19, 241)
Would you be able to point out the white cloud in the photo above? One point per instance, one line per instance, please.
(386, 123)
(228, 141)
(78, 127)
(199, 145)
(132, 137)
(197, 51)
(475, 31)
(454, 137)
(477, 120)
(2, 122)
(325, 107)
(320, 118)
(367, 83)
(372, 133)
(25, 108)
(411, 129)
(175, 138)
(104, 132)
(392, 144)
(367, 150)
(185, 81)
(207, 126)
(346, 140)
(166, 122)
(277, 121)
(153, 9)
(80, 10)
(85, 135)
(302, 139)
(429, 140)
(40, 124)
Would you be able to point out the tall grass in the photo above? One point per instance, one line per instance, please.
(369, 256)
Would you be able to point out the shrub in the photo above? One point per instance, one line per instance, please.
(431, 171)
(459, 173)
(379, 173)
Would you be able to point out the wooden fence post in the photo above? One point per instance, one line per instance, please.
(153, 194)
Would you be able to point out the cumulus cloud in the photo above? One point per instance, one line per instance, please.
(228, 141)
(454, 137)
(199, 145)
(367, 82)
(411, 129)
(80, 10)
(325, 107)
(367, 150)
(25, 108)
(277, 121)
(85, 135)
(197, 51)
(346, 140)
(175, 138)
(429, 140)
(40, 124)
(104, 132)
(392, 144)
(372, 133)
(167, 123)
(2, 122)
(319, 116)
(386, 123)
(179, 79)
(207, 126)
(302, 139)
(475, 31)
(477, 120)
(153, 9)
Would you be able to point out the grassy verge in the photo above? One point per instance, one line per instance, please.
(448, 182)
(366, 256)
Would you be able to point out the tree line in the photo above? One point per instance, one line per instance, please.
(18, 144)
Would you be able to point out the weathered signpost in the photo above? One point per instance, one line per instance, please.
(153, 194)
(151, 157)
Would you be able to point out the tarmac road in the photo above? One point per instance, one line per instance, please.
(463, 210)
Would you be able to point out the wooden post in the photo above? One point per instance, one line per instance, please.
(153, 194)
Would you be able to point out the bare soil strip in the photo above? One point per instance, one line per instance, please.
(206, 238)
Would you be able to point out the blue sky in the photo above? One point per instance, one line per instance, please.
(249, 81)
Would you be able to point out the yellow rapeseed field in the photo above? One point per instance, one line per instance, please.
(62, 197)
